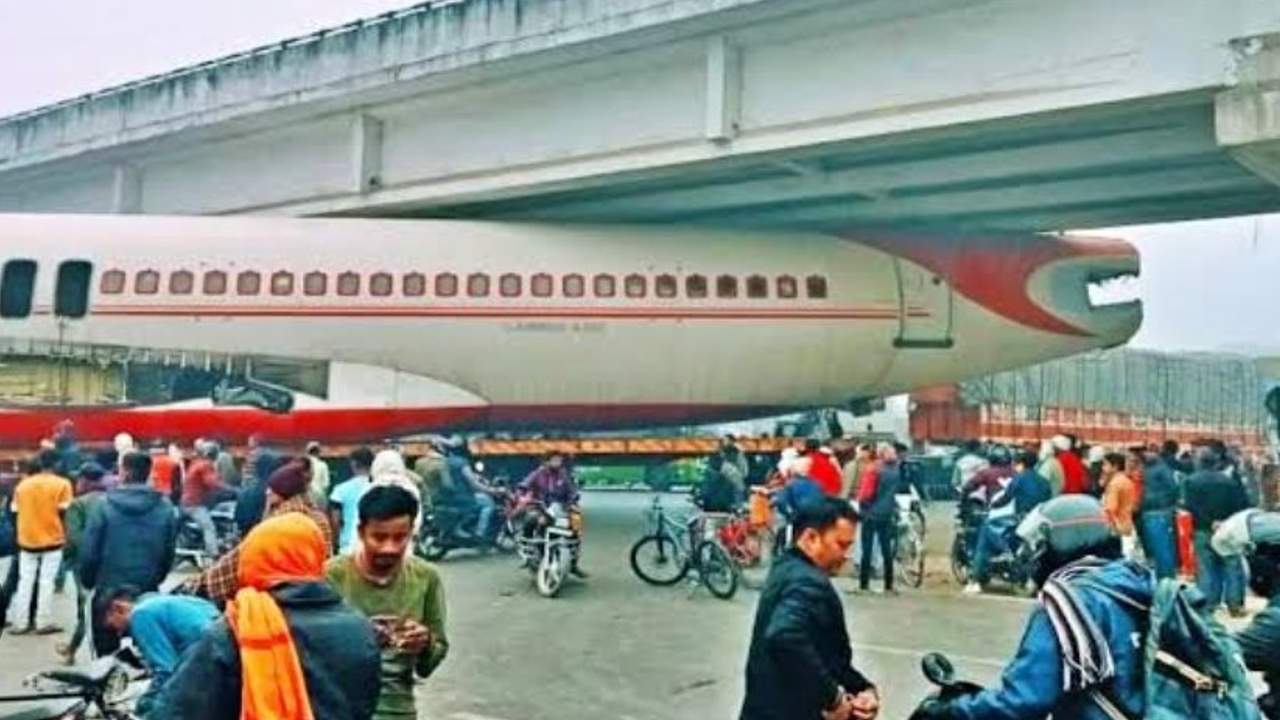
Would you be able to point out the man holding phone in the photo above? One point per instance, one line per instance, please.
(402, 595)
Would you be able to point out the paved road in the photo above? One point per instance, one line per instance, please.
(614, 647)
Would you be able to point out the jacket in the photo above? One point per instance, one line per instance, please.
(1075, 479)
(1026, 491)
(1259, 642)
(1031, 686)
(77, 520)
(129, 540)
(1213, 497)
(883, 505)
(800, 650)
(336, 648)
(1159, 487)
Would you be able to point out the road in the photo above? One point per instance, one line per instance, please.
(612, 646)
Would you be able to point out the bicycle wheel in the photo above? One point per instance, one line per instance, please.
(717, 570)
(910, 559)
(960, 561)
(658, 560)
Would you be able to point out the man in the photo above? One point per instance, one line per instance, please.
(821, 468)
(288, 646)
(319, 473)
(128, 541)
(853, 471)
(879, 509)
(287, 491)
(401, 593)
(1025, 492)
(226, 466)
(344, 501)
(163, 628)
(90, 494)
(800, 666)
(991, 480)
(201, 489)
(1071, 541)
(1261, 638)
(165, 471)
(1075, 479)
(1119, 499)
(1212, 497)
(251, 502)
(39, 501)
(552, 484)
(1156, 510)
(717, 493)
(1049, 468)
(969, 464)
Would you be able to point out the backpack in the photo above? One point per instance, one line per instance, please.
(1192, 666)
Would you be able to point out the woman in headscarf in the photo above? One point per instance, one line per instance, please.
(288, 648)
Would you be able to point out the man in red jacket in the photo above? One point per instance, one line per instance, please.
(1074, 477)
(822, 468)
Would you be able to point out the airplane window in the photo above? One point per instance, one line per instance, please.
(727, 286)
(71, 296)
(541, 285)
(787, 288)
(574, 286)
(248, 283)
(604, 286)
(816, 287)
(348, 284)
(315, 283)
(181, 282)
(147, 282)
(636, 286)
(17, 283)
(510, 285)
(446, 285)
(757, 287)
(380, 284)
(478, 285)
(695, 286)
(282, 283)
(414, 284)
(664, 286)
(215, 282)
(112, 282)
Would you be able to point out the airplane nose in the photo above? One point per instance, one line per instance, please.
(1090, 283)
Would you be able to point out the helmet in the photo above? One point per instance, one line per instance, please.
(1064, 530)
(999, 455)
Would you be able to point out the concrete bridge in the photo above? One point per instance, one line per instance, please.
(1008, 114)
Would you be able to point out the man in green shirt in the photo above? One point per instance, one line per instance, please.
(401, 593)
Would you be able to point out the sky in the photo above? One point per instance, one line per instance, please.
(1205, 284)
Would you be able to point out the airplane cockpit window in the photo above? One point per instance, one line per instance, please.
(414, 284)
(349, 284)
(380, 284)
(181, 282)
(71, 294)
(282, 283)
(112, 282)
(604, 286)
(510, 285)
(695, 287)
(478, 285)
(17, 283)
(816, 287)
(446, 285)
(215, 282)
(757, 287)
(787, 287)
(315, 283)
(574, 286)
(664, 286)
(635, 286)
(248, 283)
(541, 285)
(146, 282)
(727, 286)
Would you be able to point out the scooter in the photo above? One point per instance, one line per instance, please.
(101, 689)
(939, 671)
(1012, 568)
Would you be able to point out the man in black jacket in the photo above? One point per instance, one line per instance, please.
(129, 540)
(1156, 513)
(1261, 639)
(880, 519)
(800, 663)
(1212, 497)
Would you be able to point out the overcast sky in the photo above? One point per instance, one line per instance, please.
(1207, 285)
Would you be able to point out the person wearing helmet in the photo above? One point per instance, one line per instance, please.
(992, 479)
(1256, 535)
(1013, 502)
(1070, 540)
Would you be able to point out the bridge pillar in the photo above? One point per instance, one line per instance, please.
(126, 189)
(1247, 117)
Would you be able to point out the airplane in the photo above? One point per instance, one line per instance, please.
(423, 326)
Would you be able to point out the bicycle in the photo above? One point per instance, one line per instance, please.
(909, 539)
(670, 550)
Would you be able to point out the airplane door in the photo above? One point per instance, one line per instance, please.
(924, 308)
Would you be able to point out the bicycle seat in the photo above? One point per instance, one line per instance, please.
(47, 710)
(87, 676)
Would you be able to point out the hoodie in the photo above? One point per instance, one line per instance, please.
(129, 540)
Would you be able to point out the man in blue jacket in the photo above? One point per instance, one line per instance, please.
(1058, 661)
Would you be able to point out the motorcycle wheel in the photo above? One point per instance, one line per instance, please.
(717, 570)
(959, 561)
(429, 548)
(506, 539)
(657, 560)
(551, 571)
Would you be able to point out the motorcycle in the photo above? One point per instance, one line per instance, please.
(548, 544)
(189, 545)
(101, 689)
(1012, 568)
(440, 531)
(938, 670)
